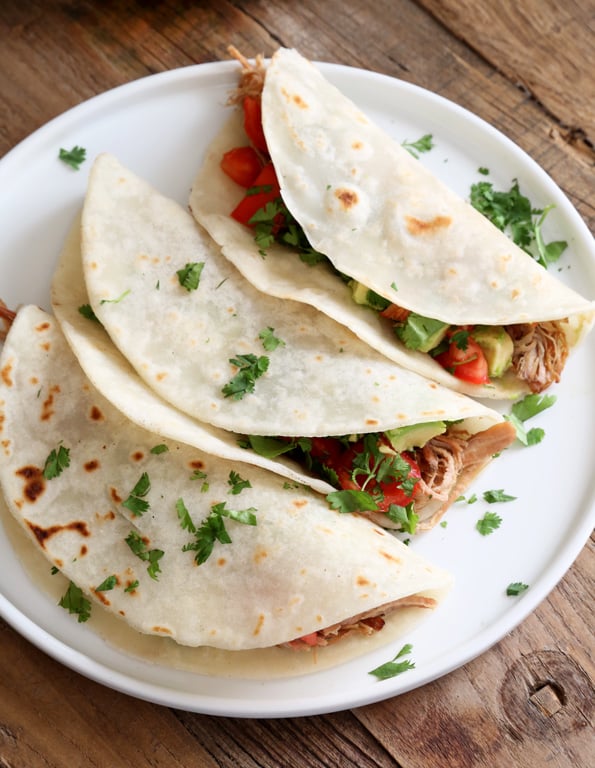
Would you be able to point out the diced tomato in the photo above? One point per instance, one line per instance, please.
(253, 123)
(242, 164)
(335, 456)
(396, 313)
(467, 364)
(251, 203)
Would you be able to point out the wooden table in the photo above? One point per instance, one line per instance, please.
(526, 66)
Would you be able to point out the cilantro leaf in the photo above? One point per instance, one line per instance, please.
(184, 516)
(406, 516)
(516, 588)
(139, 547)
(525, 409)
(495, 496)
(269, 340)
(189, 275)
(394, 667)
(417, 329)
(488, 523)
(56, 462)
(132, 586)
(236, 483)
(135, 501)
(117, 300)
(107, 584)
(74, 601)
(250, 368)
(352, 501)
(73, 157)
(531, 405)
(424, 144)
(213, 529)
(160, 448)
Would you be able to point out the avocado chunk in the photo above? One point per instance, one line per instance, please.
(414, 435)
(361, 294)
(497, 347)
(421, 333)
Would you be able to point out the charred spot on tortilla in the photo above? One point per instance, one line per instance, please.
(417, 226)
(92, 465)
(43, 534)
(47, 409)
(34, 483)
(115, 496)
(96, 414)
(137, 456)
(5, 374)
(347, 197)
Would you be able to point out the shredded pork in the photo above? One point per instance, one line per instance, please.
(364, 623)
(251, 78)
(449, 462)
(7, 317)
(540, 352)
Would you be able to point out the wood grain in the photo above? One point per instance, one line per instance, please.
(527, 68)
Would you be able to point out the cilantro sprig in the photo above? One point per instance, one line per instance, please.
(74, 601)
(140, 548)
(395, 667)
(516, 588)
(269, 341)
(513, 212)
(236, 483)
(250, 368)
(136, 502)
(212, 528)
(424, 144)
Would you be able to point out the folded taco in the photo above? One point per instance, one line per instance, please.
(313, 202)
(289, 380)
(179, 543)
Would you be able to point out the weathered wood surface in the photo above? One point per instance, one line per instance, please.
(527, 68)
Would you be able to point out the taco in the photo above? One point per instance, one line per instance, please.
(313, 202)
(233, 358)
(179, 543)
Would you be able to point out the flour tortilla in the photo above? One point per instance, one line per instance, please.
(303, 567)
(382, 219)
(322, 381)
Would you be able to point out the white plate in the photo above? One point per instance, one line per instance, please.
(158, 127)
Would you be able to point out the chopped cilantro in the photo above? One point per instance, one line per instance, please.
(139, 547)
(512, 212)
(425, 144)
(271, 447)
(74, 157)
(483, 171)
(471, 500)
(269, 340)
(237, 484)
(87, 311)
(132, 586)
(160, 448)
(394, 667)
(488, 523)
(107, 584)
(250, 368)
(198, 474)
(516, 588)
(56, 462)
(213, 529)
(496, 496)
(74, 601)
(189, 276)
(135, 501)
(444, 524)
